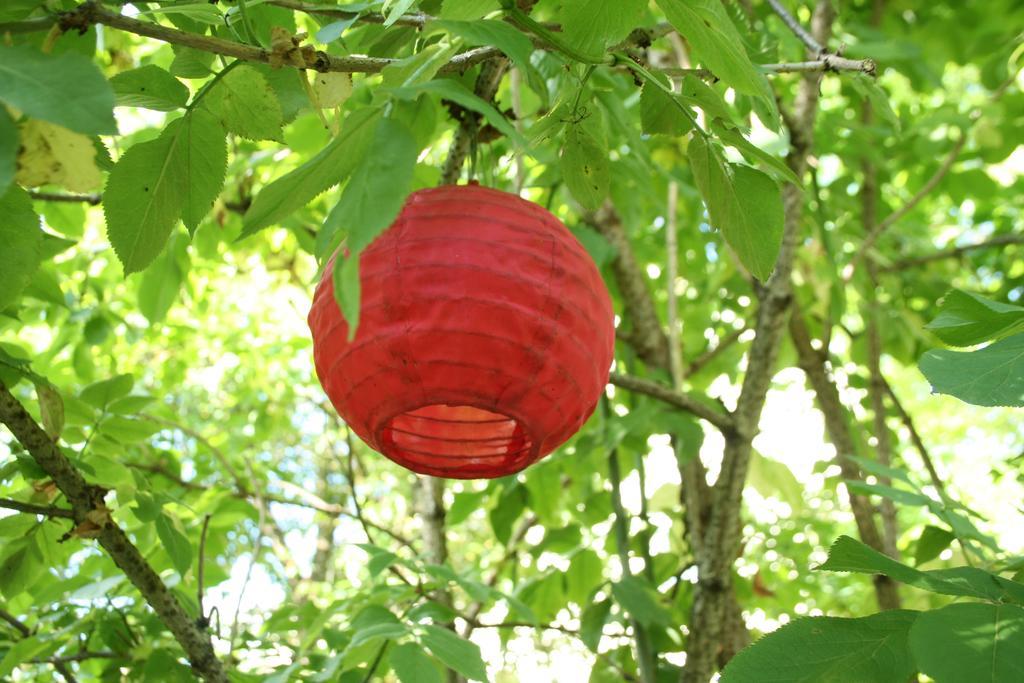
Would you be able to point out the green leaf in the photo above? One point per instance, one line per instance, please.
(8, 150)
(660, 113)
(329, 167)
(640, 600)
(161, 282)
(203, 152)
(931, 543)
(467, 9)
(592, 623)
(503, 36)
(22, 242)
(586, 571)
(772, 478)
(99, 394)
(775, 165)
(66, 89)
(369, 204)
(718, 45)
(970, 643)
(456, 92)
(743, 203)
(149, 87)
(869, 88)
(412, 666)
(966, 319)
(19, 569)
(457, 653)
(175, 543)
(585, 166)
(900, 496)
(51, 410)
(850, 555)
(992, 376)
(128, 430)
(155, 183)
(592, 26)
(829, 650)
(22, 651)
(246, 105)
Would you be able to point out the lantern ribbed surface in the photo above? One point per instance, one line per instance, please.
(485, 336)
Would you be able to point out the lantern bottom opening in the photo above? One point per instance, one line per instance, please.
(457, 441)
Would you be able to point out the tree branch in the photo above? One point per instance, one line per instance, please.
(814, 45)
(899, 213)
(487, 83)
(716, 626)
(87, 504)
(955, 252)
(26, 632)
(813, 363)
(39, 195)
(826, 63)
(29, 508)
(676, 398)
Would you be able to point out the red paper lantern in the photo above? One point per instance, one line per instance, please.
(485, 336)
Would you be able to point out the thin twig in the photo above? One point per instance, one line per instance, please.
(955, 252)
(26, 632)
(701, 361)
(899, 213)
(813, 46)
(676, 398)
(39, 195)
(29, 508)
(200, 568)
(826, 63)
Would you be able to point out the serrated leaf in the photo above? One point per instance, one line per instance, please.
(246, 105)
(585, 166)
(457, 653)
(175, 543)
(66, 89)
(411, 665)
(970, 643)
(592, 26)
(717, 44)
(850, 555)
(966, 319)
(22, 242)
(149, 87)
(743, 203)
(829, 650)
(992, 376)
(329, 167)
(369, 204)
(155, 183)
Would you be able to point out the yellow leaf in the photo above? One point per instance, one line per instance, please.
(332, 89)
(52, 154)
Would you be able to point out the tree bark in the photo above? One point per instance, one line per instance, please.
(87, 505)
(714, 635)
